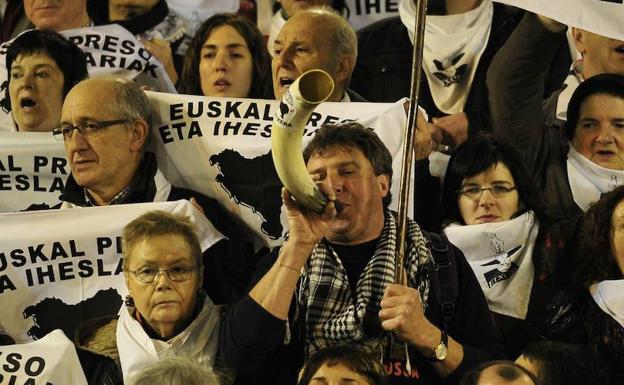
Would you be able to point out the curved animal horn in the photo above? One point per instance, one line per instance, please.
(310, 89)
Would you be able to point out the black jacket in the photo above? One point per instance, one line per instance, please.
(384, 66)
(517, 80)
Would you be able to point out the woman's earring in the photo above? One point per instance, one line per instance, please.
(129, 301)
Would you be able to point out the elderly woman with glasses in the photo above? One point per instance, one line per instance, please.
(491, 211)
(165, 314)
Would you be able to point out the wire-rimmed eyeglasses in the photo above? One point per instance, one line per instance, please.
(88, 128)
(147, 274)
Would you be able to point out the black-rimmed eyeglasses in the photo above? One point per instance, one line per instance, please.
(148, 274)
(89, 128)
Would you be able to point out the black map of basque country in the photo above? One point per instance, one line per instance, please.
(253, 183)
(52, 313)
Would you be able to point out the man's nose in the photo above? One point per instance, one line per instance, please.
(76, 141)
(284, 58)
(335, 183)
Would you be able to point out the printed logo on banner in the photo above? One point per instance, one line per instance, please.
(221, 147)
(33, 170)
(51, 360)
(368, 7)
(40, 265)
(59, 268)
(113, 49)
(237, 174)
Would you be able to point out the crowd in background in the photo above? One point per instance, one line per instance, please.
(515, 257)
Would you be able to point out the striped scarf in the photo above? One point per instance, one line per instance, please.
(331, 314)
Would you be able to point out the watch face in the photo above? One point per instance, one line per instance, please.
(440, 351)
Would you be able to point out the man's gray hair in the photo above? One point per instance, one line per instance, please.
(344, 38)
(130, 101)
(176, 371)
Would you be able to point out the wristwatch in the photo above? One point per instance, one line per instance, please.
(441, 350)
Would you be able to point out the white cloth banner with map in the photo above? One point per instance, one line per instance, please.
(33, 170)
(603, 17)
(61, 267)
(221, 147)
(51, 360)
(109, 49)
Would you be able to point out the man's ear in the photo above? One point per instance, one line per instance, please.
(384, 184)
(138, 135)
(579, 37)
(345, 69)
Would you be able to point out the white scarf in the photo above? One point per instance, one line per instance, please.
(452, 50)
(609, 296)
(588, 180)
(198, 341)
(500, 255)
(569, 86)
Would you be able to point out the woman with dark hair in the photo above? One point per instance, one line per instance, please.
(493, 214)
(43, 66)
(228, 58)
(593, 312)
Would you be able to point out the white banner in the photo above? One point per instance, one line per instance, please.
(51, 360)
(113, 49)
(364, 12)
(603, 17)
(222, 148)
(33, 170)
(61, 267)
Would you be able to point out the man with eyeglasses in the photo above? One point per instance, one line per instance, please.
(104, 126)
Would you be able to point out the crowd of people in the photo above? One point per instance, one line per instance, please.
(514, 255)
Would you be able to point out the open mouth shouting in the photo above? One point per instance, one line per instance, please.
(27, 104)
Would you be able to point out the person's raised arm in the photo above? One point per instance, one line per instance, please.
(274, 291)
(516, 79)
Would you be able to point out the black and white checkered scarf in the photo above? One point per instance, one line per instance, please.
(331, 314)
